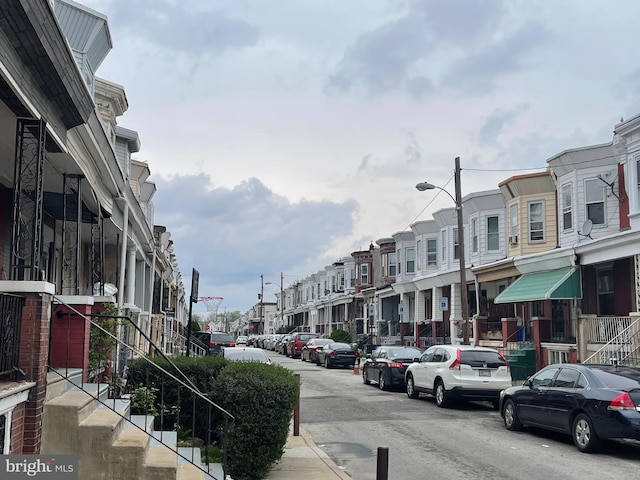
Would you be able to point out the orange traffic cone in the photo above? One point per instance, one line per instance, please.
(356, 367)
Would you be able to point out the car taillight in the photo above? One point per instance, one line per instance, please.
(456, 363)
(395, 365)
(622, 402)
(232, 344)
(504, 359)
(212, 343)
(333, 352)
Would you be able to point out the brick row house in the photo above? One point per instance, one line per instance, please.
(77, 229)
(552, 266)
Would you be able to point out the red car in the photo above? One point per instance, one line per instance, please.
(296, 342)
(310, 350)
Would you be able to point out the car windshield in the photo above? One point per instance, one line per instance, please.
(620, 377)
(320, 341)
(340, 346)
(481, 358)
(409, 353)
(306, 336)
(221, 337)
(247, 355)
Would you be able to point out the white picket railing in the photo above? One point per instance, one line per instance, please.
(621, 338)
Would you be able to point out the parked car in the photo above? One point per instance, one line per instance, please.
(310, 349)
(241, 340)
(386, 366)
(297, 341)
(245, 354)
(214, 341)
(590, 402)
(463, 372)
(337, 354)
(281, 344)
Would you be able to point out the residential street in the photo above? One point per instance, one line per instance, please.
(350, 420)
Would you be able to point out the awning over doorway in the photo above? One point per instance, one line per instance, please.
(560, 284)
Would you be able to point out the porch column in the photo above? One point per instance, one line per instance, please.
(33, 355)
(438, 315)
(131, 276)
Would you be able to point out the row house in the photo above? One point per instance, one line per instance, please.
(552, 263)
(76, 227)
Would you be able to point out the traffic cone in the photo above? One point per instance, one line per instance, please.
(356, 367)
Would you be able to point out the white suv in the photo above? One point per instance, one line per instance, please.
(459, 372)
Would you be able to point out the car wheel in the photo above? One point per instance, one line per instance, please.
(441, 395)
(411, 388)
(365, 377)
(382, 384)
(318, 361)
(327, 364)
(584, 435)
(510, 415)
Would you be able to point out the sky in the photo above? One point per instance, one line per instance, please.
(283, 135)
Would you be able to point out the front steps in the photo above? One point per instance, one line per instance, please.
(112, 444)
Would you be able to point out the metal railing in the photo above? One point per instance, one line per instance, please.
(605, 329)
(10, 320)
(155, 399)
(624, 346)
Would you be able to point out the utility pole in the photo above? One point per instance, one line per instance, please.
(261, 327)
(463, 274)
(281, 299)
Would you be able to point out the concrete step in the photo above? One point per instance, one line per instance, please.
(58, 381)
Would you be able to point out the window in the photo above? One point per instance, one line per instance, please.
(410, 254)
(638, 178)
(513, 220)
(393, 260)
(594, 197)
(432, 252)
(558, 356)
(474, 235)
(567, 378)
(536, 221)
(604, 285)
(364, 274)
(443, 259)
(341, 281)
(418, 254)
(493, 233)
(567, 210)
(456, 244)
(398, 262)
(544, 378)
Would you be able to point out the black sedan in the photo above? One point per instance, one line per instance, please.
(337, 354)
(590, 402)
(386, 366)
(310, 349)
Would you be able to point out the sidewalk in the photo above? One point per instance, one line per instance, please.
(303, 459)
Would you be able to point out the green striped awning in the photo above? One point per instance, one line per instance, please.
(560, 284)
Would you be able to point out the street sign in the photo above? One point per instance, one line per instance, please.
(444, 304)
(372, 310)
(401, 308)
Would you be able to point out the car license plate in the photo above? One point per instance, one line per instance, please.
(484, 372)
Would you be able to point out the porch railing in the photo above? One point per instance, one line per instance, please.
(10, 319)
(605, 329)
(127, 341)
(623, 348)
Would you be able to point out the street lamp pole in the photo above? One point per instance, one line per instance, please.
(261, 304)
(281, 299)
(463, 273)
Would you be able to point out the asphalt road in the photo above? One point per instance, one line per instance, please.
(350, 420)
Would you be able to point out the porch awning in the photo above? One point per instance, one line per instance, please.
(560, 284)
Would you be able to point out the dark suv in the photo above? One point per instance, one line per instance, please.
(214, 341)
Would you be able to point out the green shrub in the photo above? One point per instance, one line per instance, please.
(261, 398)
(340, 336)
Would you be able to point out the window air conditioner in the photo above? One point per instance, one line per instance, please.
(513, 240)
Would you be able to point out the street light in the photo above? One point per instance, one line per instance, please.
(281, 298)
(463, 274)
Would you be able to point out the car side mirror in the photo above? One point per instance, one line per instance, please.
(416, 360)
(527, 383)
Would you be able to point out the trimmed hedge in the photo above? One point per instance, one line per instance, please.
(261, 397)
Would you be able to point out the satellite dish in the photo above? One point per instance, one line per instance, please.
(585, 231)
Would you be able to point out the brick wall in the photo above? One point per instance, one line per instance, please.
(33, 359)
(17, 429)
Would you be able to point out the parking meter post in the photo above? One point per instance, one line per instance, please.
(296, 411)
(382, 470)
